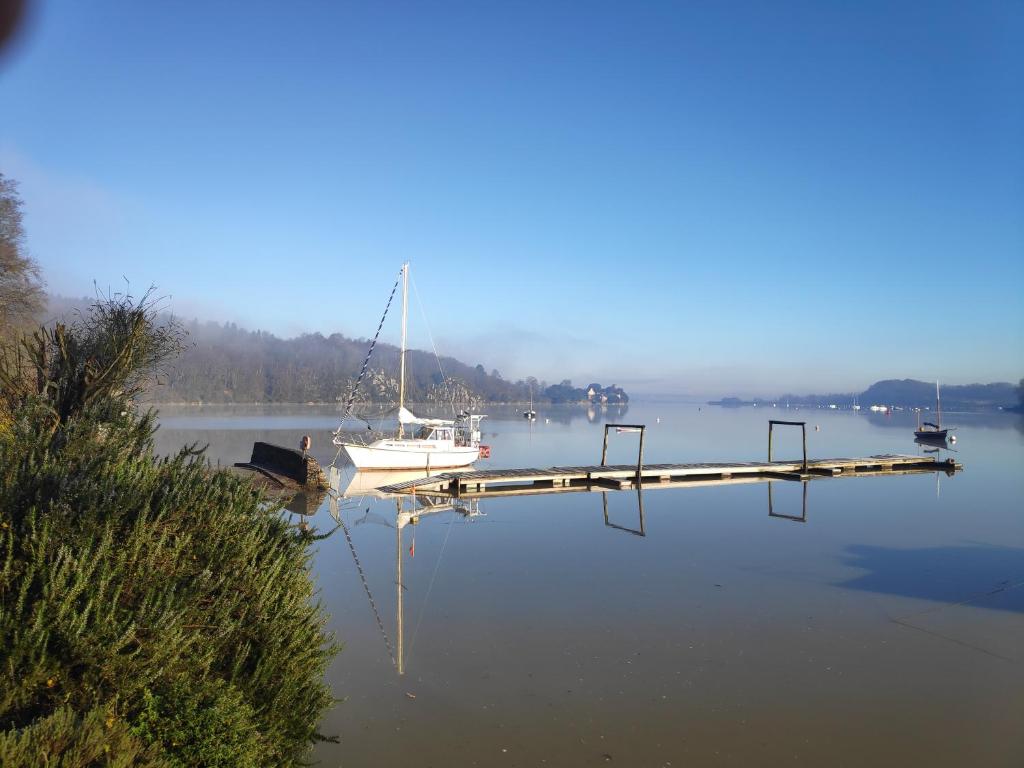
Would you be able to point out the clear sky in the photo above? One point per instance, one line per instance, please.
(702, 197)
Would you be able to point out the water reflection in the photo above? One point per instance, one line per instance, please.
(306, 503)
(408, 510)
(561, 638)
(641, 531)
(977, 574)
(803, 513)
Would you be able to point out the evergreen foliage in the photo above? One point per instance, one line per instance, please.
(21, 289)
(152, 611)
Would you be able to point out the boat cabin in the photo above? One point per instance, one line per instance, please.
(463, 431)
(428, 432)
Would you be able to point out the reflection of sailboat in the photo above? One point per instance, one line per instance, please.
(468, 508)
(927, 430)
(436, 444)
(367, 483)
(418, 508)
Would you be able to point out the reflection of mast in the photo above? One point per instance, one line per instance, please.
(468, 508)
(400, 661)
(336, 514)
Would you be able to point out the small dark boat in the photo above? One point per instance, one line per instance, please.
(931, 432)
(927, 431)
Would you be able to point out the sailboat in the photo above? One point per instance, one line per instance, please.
(927, 430)
(530, 414)
(431, 443)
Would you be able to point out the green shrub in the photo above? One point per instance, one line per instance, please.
(66, 739)
(207, 724)
(169, 597)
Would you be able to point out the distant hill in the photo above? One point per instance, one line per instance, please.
(908, 393)
(228, 364)
(911, 393)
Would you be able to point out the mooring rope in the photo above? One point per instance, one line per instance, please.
(366, 586)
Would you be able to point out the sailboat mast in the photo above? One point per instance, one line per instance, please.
(938, 406)
(401, 375)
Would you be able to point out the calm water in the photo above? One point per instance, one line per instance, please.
(886, 628)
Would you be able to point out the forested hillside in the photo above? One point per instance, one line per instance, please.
(223, 363)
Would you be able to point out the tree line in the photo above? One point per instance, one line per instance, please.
(225, 363)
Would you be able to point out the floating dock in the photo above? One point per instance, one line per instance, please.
(508, 482)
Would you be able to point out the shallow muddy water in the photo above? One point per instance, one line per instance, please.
(881, 624)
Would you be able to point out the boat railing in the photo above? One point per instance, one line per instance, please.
(358, 438)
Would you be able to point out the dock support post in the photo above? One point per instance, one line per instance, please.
(640, 457)
(604, 446)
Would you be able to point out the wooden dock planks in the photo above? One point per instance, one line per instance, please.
(533, 480)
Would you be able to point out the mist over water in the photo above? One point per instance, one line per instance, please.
(876, 620)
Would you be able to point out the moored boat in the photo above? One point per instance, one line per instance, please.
(932, 432)
(435, 444)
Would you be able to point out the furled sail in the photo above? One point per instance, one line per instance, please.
(405, 416)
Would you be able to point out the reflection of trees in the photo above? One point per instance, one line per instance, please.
(908, 419)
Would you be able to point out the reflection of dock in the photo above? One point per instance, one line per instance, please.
(507, 482)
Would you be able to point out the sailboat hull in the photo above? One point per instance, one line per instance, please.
(400, 455)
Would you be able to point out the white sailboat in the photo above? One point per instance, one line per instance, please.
(432, 443)
(530, 414)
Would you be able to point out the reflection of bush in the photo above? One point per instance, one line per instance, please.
(152, 611)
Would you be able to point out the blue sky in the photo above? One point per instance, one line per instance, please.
(680, 197)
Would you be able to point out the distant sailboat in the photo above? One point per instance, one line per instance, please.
(927, 430)
(531, 414)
